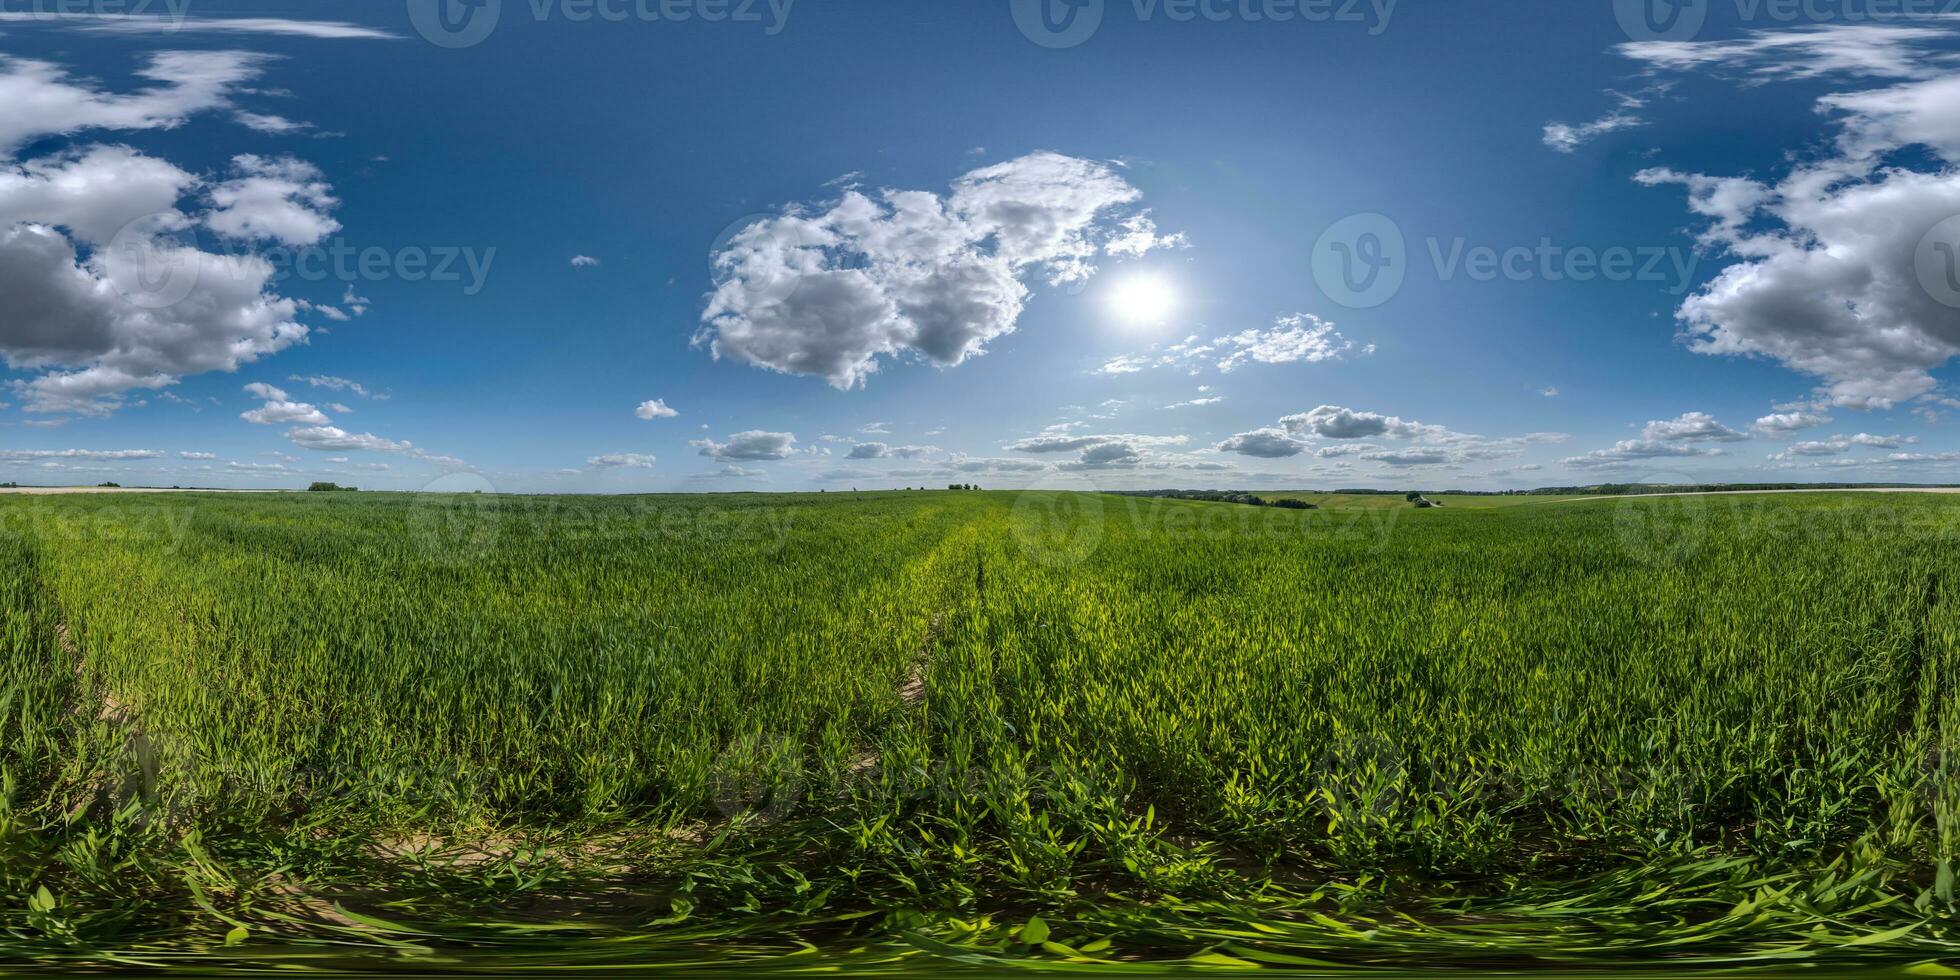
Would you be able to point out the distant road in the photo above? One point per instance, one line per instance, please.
(1713, 493)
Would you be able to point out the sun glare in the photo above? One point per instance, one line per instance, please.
(1142, 299)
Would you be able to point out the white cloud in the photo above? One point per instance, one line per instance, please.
(328, 438)
(274, 125)
(1681, 437)
(1301, 337)
(42, 100)
(286, 413)
(1268, 443)
(282, 199)
(102, 296)
(104, 322)
(752, 445)
(1335, 422)
(1408, 457)
(332, 383)
(1566, 138)
(584, 262)
(1785, 422)
(197, 456)
(259, 389)
(980, 464)
(655, 409)
(1826, 274)
(1839, 445)
(96, 455)
(1691, 427)
(1138, 235)
(878, 450)
(833, 290)
(94, 193)
(876, 429)
(1296, 338)
(177, 22)
(615, 461)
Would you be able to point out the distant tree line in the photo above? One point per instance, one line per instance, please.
(324, 487)
(1224, 497)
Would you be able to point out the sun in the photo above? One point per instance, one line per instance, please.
(1142, 299)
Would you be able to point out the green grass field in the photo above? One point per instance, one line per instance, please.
(982, 731)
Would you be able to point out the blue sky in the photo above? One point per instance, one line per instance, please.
(590, 247)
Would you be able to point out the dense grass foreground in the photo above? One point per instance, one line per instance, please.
(907, 732)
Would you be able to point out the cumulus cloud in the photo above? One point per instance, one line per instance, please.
(981, 464)
(1780, 423)
(286, 413)
(1686, 435)
(1691, 427)
(1264, 443)
(1301, 337)
(618, 461)
(752, 445)
(1335, 422)
(879, 450)
(584, 262)
(1436, 445)
(1839, 445)
(104, 292)
(1829, 270)
(655, 409)
(42, 100)
(832, 290)
(282, 199)
(197, 456)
